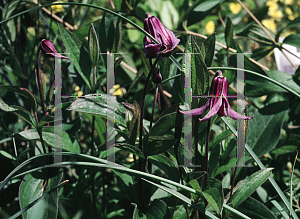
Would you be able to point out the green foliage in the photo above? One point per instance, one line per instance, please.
(149, 176)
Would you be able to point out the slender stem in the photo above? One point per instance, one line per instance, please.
(38, 80)
(228, 55)
(163, 95)
(291, 52)
(141, 166)
(143, 107)
(288, 59)
(93, 151)
(103, 203)
(196, 144)
(151, 121)
(233, 180)
(221, 19)
(94, 77)
(159, 104)
(206, 152)
(153, 108)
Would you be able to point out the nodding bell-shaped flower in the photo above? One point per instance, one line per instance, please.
(48, 47)
(166, 38)
(217, 101)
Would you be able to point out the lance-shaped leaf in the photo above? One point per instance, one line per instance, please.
(93, 45)
(18, 111)
(245, 188)
(78, 53)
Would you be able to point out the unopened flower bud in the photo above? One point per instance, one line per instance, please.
(48, 47)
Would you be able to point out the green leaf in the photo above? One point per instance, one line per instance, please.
(100, 125)
(165, 70)
(245, 188)
(18, 111)
(213, 162)
(285, 79)
(7, 155)
(50, 138)
(130, 149)
(155, 147)
(199, 73)
(195, 185)
(158, 209)
(163, 125)
(214, 194)
(78, 54)
(128, 185)
(137, 214)
(199, 10)
(103, 105)
(229, 165)
(93, 45)
(229, 32)
(46, 119)
(31, 189)
(255, 32)
(183, 198)
(261, 52)
(167, 166)
(194, 175)
(209, 46)
(284, 150)
(264, 129)
(254, 209)
(292, 24)
(219, 138)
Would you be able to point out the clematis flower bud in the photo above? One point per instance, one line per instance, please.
(166, 38)
(48, 47)
(157, 77)
(217, 101)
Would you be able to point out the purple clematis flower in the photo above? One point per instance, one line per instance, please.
(217, 102)
(166, 38)
(50, 50)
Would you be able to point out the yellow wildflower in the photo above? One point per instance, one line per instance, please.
(292, 17)
(77, 88)
(235, 8)
(117, 90)
(273, 6)
(288, 2)
(57, 8)
(210, 27)
(270, 24)
(288, 11)
(275, 14)
(79, 93)
(130, 158)
(31, 31)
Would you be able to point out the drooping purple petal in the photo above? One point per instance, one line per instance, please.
(234, 115)
(222, 111)
(197, 111)
(213, 110)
